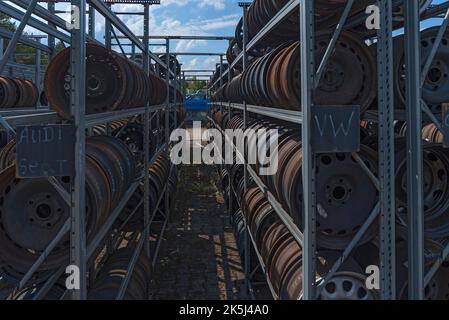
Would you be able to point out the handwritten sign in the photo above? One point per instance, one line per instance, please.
(335, 129)
(45, 151)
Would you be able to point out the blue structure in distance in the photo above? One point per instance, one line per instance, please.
(197, 101)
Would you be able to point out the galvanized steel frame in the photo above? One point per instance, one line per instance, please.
(386, 113)
(80, 253)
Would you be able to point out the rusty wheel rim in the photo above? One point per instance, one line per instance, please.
(106, 78)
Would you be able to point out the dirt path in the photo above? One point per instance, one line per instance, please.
(199, 257)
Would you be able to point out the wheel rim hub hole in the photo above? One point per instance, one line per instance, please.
(333, 78)
(93, 84)
(338, 192)
(43, 211)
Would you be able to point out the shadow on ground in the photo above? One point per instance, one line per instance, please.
(199, 259)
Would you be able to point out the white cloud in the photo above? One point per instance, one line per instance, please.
(191, 65)
(216, 4)
(197, 63)
(187, 45)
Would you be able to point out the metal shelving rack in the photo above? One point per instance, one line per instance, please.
(80, 251)
(385, 115)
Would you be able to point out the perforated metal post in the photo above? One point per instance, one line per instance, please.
(146, 143)
(386, 151)
(184, 83)
(51, 39)
(245, 169)
(37, 68)
(167, 118)
(78, 106)
(231, 188)
(415, 221)
(175, 114)
(307, 41)
(221, 80)
(91, 22)
(107, 31)
(108, 45)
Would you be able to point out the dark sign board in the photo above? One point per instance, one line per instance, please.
(335, 129)
(45, 151)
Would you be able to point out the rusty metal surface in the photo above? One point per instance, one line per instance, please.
(33, 211)
(17, 93)
(273, 79)
(112, 83)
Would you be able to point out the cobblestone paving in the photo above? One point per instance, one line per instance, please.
(199, 258)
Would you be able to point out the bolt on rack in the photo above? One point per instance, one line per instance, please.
(80, 251)
(385, 115)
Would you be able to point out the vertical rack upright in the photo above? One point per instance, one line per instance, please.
(386, 151)
(415, 207)
(307, 56)
(78, 192)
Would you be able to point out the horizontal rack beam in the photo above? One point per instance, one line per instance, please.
(50, 17)
(110, 16)
(35, 118)
(91, 120)
(96, 119)
(273, 23)
(33, 22)
(198, 54)
(159, 37)
(22, 111)
(44, 14)
(372, 115)
(113, 1)
(281, 114)
(6, 34)
(197, 71)
(106, 12)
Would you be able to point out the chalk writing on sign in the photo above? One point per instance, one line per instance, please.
(335, 129)
(45, 151)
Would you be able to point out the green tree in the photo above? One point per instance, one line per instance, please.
(193, 84)
(25, 54)
(5, 22)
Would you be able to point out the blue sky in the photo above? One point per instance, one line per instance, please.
(177, 17)
(184, 17)
(188, 17)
